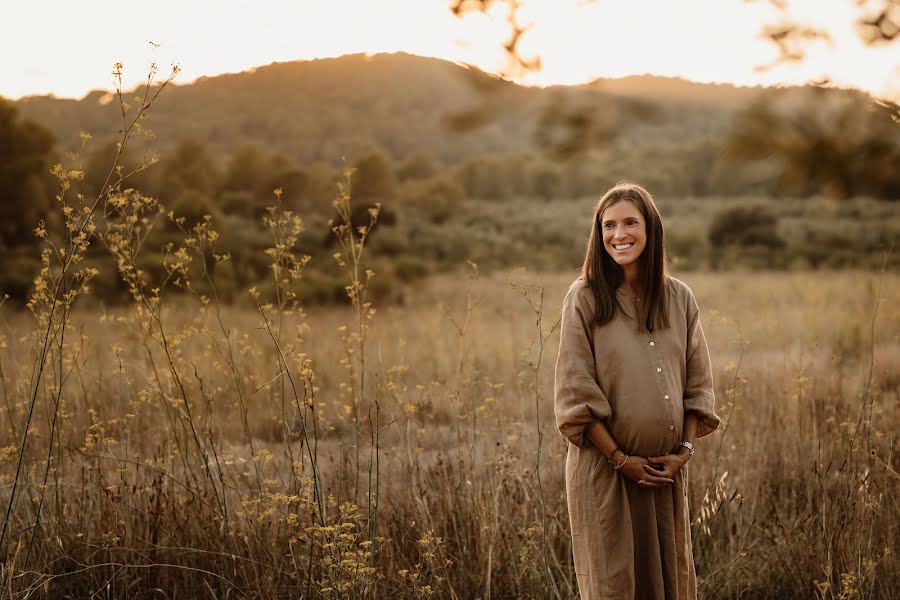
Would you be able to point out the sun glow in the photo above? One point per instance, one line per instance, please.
(577, 41)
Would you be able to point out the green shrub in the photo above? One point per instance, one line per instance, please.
(20, 265)
(409, 268)
(436, 199)
(193, 206)
(745, 233)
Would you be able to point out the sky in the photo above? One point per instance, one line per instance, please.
(68, 48)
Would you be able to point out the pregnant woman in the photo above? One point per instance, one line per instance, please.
(633, 390)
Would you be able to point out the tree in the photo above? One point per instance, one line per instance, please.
(840, 145)
(419, 165)
(373, 179)
(253, 173)
(193, 206)
(547, 180)
(437, 199)
(752, 228)
(247, 169)
(97, 166)
(26, 154)
(753, 225)
(188, 167)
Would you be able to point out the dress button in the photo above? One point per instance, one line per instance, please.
(671, 427)
(652, 343)
(658, 370)
(667, 396)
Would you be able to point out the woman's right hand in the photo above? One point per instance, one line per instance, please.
(635, 471)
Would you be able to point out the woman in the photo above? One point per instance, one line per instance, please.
(633, 391)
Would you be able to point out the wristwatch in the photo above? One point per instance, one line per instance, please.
(689, 446)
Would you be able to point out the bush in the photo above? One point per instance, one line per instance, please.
(435, 199)
(547, 180)
(419, 165)
(193, 206)
(373, 180)
(20, 265)
(410, 268)
(752, 228)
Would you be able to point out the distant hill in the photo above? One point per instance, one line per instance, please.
(324, 110)
(673, 90)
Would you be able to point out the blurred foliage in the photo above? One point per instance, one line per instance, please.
(819, 158)
(435, 199)
(398, 105)
(751, 230)
(373, 179)
(494, 210)
(190, 166)
(876, 22)
(26, 186)
(753, 225)
(839, 143)
(421, 164)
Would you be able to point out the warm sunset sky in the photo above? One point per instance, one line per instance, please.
(68, 48)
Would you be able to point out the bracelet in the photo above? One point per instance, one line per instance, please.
(613, 454)
(689, 446)
(621, 464)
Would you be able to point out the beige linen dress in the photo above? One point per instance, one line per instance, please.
(629, 542)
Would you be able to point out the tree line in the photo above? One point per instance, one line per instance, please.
(838, 146)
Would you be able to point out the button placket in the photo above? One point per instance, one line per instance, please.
(662, 384)
(652, 344)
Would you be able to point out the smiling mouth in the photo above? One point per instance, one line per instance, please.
(621, 247)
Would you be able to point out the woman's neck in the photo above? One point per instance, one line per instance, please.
(632, 276)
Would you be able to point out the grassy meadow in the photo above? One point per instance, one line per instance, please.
(198, 439)
(177, 448)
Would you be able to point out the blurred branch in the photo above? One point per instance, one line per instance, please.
(878, 22)
(565, 131)
(518, 64)
(881, 24)
(792, 40)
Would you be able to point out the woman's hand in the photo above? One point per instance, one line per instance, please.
(667, 465)
(638, 469)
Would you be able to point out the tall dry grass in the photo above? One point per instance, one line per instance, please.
(176, 446)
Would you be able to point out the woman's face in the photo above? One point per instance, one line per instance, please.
(624, 232)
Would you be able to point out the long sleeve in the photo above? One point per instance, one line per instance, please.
(699, 396)
(577, 397)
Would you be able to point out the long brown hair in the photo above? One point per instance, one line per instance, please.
(605, 276)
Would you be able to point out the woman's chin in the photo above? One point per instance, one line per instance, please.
(624, 261)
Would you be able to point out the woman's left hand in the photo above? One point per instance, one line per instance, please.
(667, 465)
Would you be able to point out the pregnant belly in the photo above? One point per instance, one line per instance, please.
(646, 431)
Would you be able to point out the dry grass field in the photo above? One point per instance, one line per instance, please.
(176, 448)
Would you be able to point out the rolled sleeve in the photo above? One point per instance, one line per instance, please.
(577, 397)
(699, 395)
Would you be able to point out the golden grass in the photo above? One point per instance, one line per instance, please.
(151, 487)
